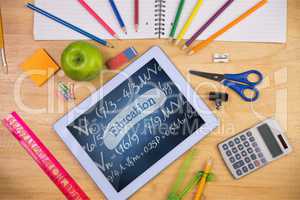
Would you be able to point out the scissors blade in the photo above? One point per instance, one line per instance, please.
(211, 76)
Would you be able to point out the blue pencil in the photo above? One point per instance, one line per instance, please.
(118, 15)
(67, 24)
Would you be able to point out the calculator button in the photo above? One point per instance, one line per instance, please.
(246, 144)
(249, 134)
(263, 160)
(228, 153)
(234, 150)
(257, 149)
(225, 146)
(239, 172)
(254, 144)
(231, 143)
(245, 169)
(257, 163)
(247, 160)
(237, 140)
(252, 139)
(250, 150)
(244, 153)
(241, 147)
(253, 156)
(243, 137)
(238, 164)
(238, 156)
(251, 166)
(231, 159)
(260, 155)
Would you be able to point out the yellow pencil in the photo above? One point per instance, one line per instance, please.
(203, 179)
(2, 53)
(188, 22)
(209, 40)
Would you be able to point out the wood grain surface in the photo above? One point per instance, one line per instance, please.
(21, 178)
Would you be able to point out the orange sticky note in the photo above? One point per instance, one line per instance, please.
(40, 67)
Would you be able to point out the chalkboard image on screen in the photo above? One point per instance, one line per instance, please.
(135, 125)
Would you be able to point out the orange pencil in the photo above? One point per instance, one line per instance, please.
(209, 40)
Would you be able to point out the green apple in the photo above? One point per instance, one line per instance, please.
(82, 61)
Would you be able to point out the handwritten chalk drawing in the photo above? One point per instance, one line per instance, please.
(135, 125)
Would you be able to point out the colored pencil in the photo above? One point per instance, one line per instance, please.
(136, 15)
(2, 50)
(189, 22)
(67, 24)
(206, 42)
(208, 23)
(118, 15)
(98, 18)
(203, 180)
(177, 17)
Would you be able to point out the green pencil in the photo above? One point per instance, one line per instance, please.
(176, 21)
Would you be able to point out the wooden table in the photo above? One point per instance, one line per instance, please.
(21, 178)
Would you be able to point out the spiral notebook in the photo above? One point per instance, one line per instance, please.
(269, 24)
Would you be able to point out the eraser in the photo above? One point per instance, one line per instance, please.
(122, 58)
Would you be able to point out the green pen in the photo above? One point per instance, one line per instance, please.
(176, 21)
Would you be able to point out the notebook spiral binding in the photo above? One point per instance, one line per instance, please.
(160, 13)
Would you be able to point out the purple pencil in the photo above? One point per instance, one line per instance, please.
(207, 24)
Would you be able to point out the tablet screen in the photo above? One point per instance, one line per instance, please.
(135, 125)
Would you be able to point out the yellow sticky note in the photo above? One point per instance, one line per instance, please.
(40, 67)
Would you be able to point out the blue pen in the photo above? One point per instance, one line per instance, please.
(117, 14)
(67, 24)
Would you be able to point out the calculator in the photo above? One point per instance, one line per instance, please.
(254, 148)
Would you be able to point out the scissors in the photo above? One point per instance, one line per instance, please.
(239, 83)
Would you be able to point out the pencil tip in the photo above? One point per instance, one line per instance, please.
(110, 45)
(177, 42)
(191, 52)
(136, 27)
(116, 36)
(124, 30)
(184, 47)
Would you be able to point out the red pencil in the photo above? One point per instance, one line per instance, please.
(136, 15)
(98, 18)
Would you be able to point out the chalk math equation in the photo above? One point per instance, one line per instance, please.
(135, 125)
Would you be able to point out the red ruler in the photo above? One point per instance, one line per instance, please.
(44, 158)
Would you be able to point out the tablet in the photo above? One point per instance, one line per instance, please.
(138, 123)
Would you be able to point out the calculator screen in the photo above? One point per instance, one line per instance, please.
(270, 140)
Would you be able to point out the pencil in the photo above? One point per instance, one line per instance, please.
(207, 24)
(98, 18)
(209, 40)
(2, 53)
(203, 180)
(118, 15)
(136, 15)
(177, 17)
(188, 22)
(67, 24)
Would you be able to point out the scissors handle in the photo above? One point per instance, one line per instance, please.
(241, 89)
(244, 77)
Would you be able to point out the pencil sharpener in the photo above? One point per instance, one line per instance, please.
(218, 98)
